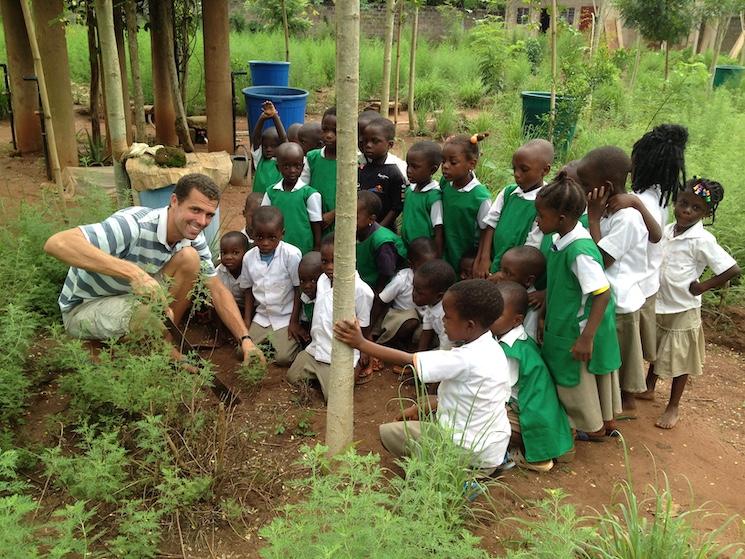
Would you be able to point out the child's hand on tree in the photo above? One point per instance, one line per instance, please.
(597, 201)
(582, 349)
(349, 332)
(269, 109)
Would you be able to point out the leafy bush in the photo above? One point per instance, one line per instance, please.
(431, 92)
(489, 45)
(139, 531)
(471, 92)
(16, 331)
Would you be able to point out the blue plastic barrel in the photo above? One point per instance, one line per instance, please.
(269, 72)
(289, 101)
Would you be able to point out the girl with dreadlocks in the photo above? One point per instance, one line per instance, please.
(687, 249)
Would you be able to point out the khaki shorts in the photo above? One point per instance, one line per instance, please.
(597, 398)
(648, 329)
(631, 374)
(102, 318)
(392, 322)
(681, 349)
(285, 348)
(305, 367)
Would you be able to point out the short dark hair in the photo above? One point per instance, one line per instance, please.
(289, 149)
(438, 274)
(469, 144)
(384, 125)
(202, 183)
(330, 111)
(253, 200)
(609, 163)
(310, 260)
(514, 296)
(422, 248)
(531, 259)
(268, 215)
(478, 300)
(431, 151)
(564, 196)
(328, 239)
(236, 236)
(370, 201)
(270, 133)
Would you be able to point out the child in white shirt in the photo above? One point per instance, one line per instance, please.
(233, 247)
(431, 280)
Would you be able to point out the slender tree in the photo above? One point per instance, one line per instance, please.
(94, 91)
(554, 72)
(397, 83)
(134, 60)
(340, 413)
(390, 21)
(121, 49)
(286, 29)
(412, 68)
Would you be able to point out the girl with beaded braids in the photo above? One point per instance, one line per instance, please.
(687, 249)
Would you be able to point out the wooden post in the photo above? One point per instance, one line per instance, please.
(216, 33)
(122, 52)
(134, 60)
(398, 61)
(390, 21)
(412, 69)
(286, 28)
(340, 411)
(554, 72)
(165, 112)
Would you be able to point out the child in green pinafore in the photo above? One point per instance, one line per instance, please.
(422, 213)
(511, 218)
(579, 339)
(379, 250)
(299, 203)
(465, 201)
(322, 163)
(540, 426)
(308, 271)
(265, 143)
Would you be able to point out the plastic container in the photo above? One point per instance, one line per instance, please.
(289, 101)
(269, 72)
(729, 74)
(536, 111)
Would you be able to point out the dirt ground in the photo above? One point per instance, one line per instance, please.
(703, 458)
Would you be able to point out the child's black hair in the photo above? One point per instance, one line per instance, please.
(469, 144)
(328, 239)
(270, 134)
(385, 126)
(365, 117)
(330, 111)
(563, 195)
(310, 260)
(236, 236)
(268, 215)
(289, 149)
(370, 201)
(253, 200)
(531, 259)
(478, 300)
(514, 296)
(310, 129)
(431, 151)
(711, 191)
(609, 163)
(658, 158)
(422, 248)
(438, 274)
(293, 130)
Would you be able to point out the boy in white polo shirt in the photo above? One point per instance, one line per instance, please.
(622, 234)
(270, 277)
(431, 280)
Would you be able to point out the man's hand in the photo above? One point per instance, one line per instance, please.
(296, 332)
(582, 349)
(251, 351)
(349, 332)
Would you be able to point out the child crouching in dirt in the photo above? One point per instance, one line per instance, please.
(474, 386)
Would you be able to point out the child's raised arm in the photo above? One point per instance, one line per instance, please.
(697, 288)
(349, 332)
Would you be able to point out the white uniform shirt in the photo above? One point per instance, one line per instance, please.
(322, 327)
(400, 290)
(485, 205)
(474, 388)
(435, 212)
(535, 236)
(273, 284)
(313, 203)
(513, 365)
(625, 238)
(530, 322)
(233, 284)
(432, 320)
(650, 284)
(684, 259)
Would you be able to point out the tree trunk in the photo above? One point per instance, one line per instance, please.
(667, 60)
(286, 28)
(340, 411)
(742, 26)
(20, 64)
(398, 61)
(94, 106)
(709, 37)
(412, 69)
(122, 52)
(637, 60)
(134, 60)
(184, 54)
(598, 28)
(216, 33)
(390, 21)
(554, 72)
(50, 33)
(165, 111)
(722, 27)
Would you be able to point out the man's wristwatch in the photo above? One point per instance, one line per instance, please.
(245, 337)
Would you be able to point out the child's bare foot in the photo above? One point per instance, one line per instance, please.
(646, 395)
(669, 418)
(628, 402)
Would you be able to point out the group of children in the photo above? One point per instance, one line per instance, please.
(534, 312)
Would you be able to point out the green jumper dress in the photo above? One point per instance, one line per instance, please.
(266, 175)
(459, 213)
(323, 178)
(514, 225)
(561, 327)
(416, 219)
(367, 250)
(540, 283)
(544, 424)
(294, 207)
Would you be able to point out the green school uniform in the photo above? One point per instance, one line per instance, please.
(515, 222)
(459, 213)
(294, 207)
(323, 178)
(308, 310)
(367, 250)
(266, 175)
(544, 424)
(561, 327)
(540, 283)
(416, 219)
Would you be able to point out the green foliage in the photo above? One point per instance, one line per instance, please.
(16, 536)
(139, 531)
(471, 92)
(178, 492)
(446, 122)
(658, 20)
(490, 46)
(16, 331)
(91, 153)
(252, 372)
(270, 14)
(170, 156)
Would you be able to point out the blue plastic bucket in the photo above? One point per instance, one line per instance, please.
(161, 197)
(269, 72)
(289, 101)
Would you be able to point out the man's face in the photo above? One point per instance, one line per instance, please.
(190, 216)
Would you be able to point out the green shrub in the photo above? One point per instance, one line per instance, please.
(16, 331)
(431, 93)
(471, 92)
(139, 531)
(446, 122)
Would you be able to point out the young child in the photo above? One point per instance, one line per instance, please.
(622, 236)
(380, 173)
(363, 119)
(293, 131)
(322, 163)
(535, 413)
(524, 265)
(474, 386)
(396, 301)
(314, 361)
(379, 249)
(253, 201)
(687, 250)
(431, 280)
(511, 218)
(580, 346)
(300, 204)
(422, 212)
(465, 266)
(309, 136)
(265, 142)
(233, 246)
(465, 201)
(657, 174)
(269, 276)
(308, 271)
